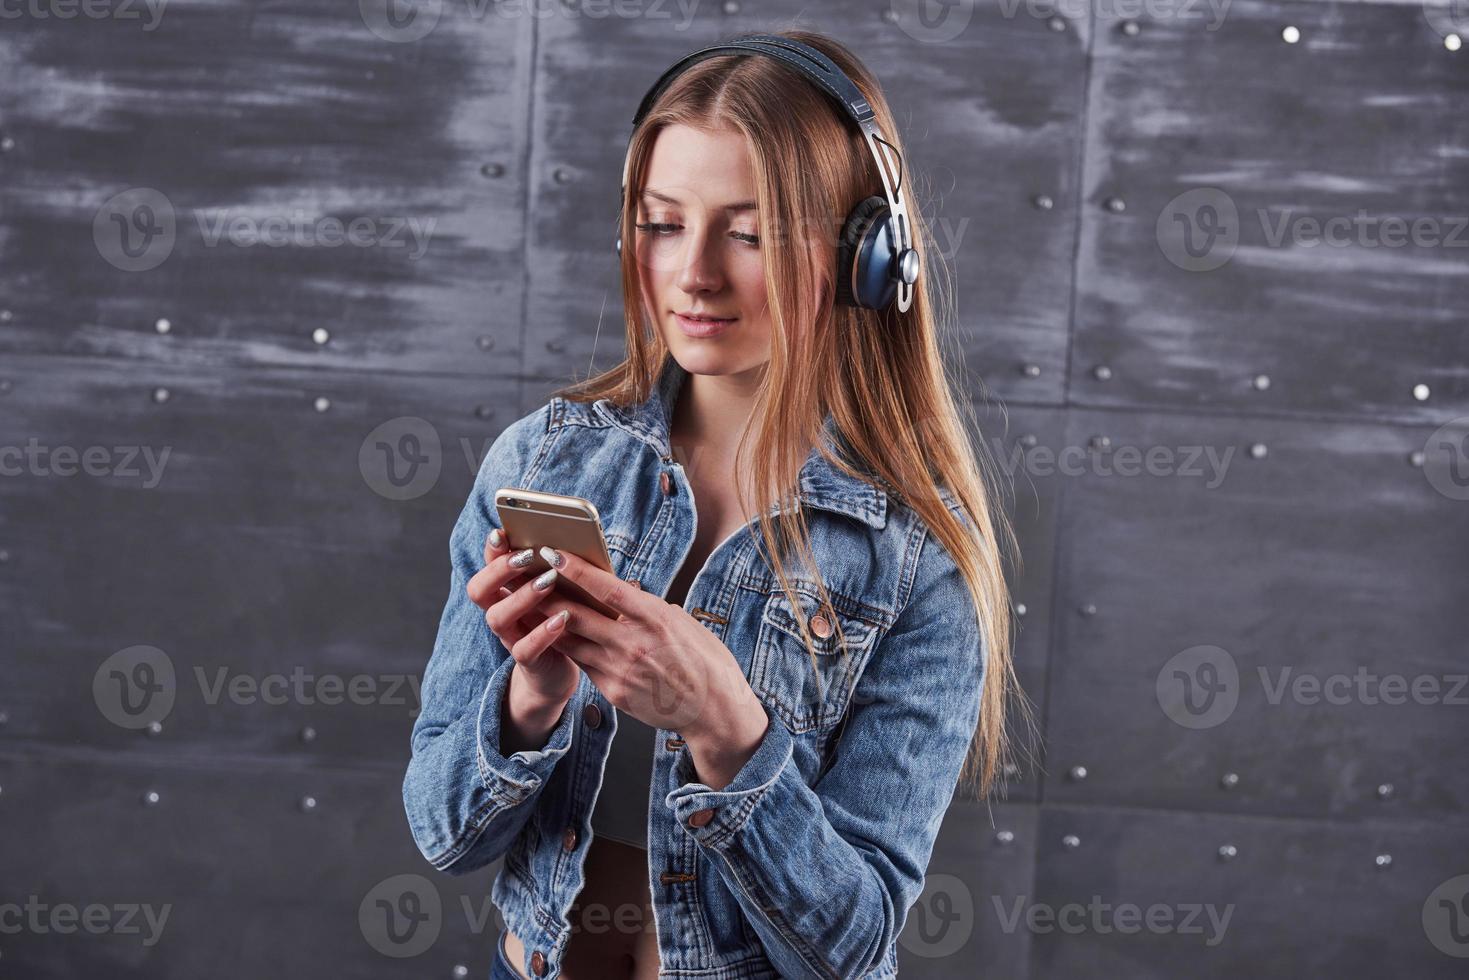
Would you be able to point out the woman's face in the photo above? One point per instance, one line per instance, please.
(699, 248)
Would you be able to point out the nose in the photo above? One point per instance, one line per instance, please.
(701, 269)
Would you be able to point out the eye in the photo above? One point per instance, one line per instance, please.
(661, 229)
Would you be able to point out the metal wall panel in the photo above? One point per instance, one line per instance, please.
(253, 539)
(209, 172)
(1245, 618)
(1271, 196)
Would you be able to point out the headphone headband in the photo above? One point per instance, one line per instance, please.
(804, 58)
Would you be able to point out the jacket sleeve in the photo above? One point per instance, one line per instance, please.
(826, 874)
(464, 800)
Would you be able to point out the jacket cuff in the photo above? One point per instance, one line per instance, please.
(513, 779)
(713, 816)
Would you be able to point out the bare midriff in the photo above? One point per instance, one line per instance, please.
(613, 936)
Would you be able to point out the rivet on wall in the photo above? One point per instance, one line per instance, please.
(5, 386)
(1290, 34)
(561, 175)
(1077, 773)
(163, 325)
(1020, 609)
(1261, 382)
(155, 727)
(483, 411)
(1005, 837)
(1071, 841)
(1088, 609)
(460, 970)
(492, 170)
(1228, 852)
(1028, 440)
(555, 347)
(151, 798)
(6, 144)
(160, 395)
(322, 403)
(1229, 780)
(1102, 372)
(1116, 205)
(4, 718)
(1030, 370)
(890, 15)
(320, 336)
(1043, 202)
(1420, 392)
(1100, 443)
(1258, 451)
(731, 7)
(1130, 28)
(308, 803)
(485, 343)
(1011, 770)
(1384, 860)
(1453, 42)
(1057, 24)
(308, 734)
(4, 556)
(1416, 458)
(1384, 791)
(6, 316)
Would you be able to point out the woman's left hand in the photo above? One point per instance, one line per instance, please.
(655, 661)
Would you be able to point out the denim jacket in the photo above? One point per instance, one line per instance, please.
(807, 863)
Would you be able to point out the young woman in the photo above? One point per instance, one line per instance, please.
(743, 773)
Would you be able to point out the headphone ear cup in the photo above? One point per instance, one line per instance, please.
(864, 257)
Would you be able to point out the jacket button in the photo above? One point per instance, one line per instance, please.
(538, 963)
(666, 482)
(701, 817)
(568, 839)
(821, 626)
(592, 715)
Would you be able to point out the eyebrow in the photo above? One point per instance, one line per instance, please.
(740, 206)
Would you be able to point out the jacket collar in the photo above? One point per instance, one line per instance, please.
(822, 484)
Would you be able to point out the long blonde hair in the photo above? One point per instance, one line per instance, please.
(880, 374)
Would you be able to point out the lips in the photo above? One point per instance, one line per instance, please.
(695, 326)
(708, 317)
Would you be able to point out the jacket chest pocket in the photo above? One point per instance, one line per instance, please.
(808, 699)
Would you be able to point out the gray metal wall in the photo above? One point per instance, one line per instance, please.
(1241, 483)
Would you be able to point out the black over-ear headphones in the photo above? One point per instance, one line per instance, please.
(875, 255)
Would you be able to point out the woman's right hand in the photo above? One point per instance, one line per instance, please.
(544, 675)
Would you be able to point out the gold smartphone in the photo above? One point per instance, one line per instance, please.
(531, 519)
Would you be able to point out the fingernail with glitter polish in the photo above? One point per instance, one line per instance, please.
(545, 580)
(522, 558)
(553, 556)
